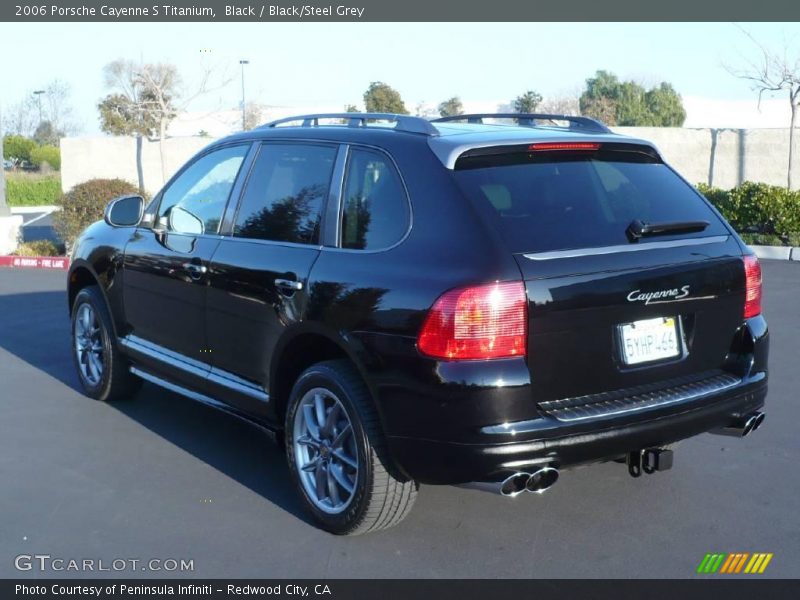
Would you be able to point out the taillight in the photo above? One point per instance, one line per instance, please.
(550, 146)
(480, 322)
(752, 277)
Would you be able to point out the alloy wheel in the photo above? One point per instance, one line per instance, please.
(325, 451)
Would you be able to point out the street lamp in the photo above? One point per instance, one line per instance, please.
(38, 94)
(243, 63)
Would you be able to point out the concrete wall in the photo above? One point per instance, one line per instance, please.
(87, 158)
(722, 157)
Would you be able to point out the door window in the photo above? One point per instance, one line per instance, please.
(285, 193)
(195, 201)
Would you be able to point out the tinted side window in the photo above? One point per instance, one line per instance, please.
(284, 195)
(202, 190)
(375, 211)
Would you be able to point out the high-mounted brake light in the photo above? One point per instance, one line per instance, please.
(549, 146)
(474, 323)
(752, 276)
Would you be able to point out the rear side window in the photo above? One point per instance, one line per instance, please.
(548, 201)
(375, 211)
(283, 199)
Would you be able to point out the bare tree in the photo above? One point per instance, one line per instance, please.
(157, 93)
(773, 72)
(254, 115)
(561, 105)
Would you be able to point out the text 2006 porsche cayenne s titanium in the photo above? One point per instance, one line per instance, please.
(481, 299)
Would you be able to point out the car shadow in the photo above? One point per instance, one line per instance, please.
(35, 328)
(234, 447)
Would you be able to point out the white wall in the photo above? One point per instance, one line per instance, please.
(723, 157)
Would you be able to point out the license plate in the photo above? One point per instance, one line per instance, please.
(649, 340)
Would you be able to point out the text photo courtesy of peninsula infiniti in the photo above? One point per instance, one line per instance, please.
(485, 299)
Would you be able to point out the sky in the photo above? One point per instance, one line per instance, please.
(307, 64)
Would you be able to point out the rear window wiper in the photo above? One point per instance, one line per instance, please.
(639, 229)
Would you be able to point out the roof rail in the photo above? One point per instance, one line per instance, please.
(403, 122)
(528, 120)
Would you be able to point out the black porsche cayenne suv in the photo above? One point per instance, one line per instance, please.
(483, 299)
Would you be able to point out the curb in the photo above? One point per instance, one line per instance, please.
(777, 252)
(24, 210)
(35, 262)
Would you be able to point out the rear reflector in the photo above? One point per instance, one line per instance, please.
(550, 146)
(474, 323)
(752, 276)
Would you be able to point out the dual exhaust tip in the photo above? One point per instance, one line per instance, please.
(743, 426)
(536, 482)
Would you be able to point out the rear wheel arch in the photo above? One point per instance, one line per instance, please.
(295, 354)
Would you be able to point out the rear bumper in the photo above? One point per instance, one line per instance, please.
(563, 445)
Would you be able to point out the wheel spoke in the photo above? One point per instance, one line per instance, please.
(321, 481)
(330, 421)
(319, 405)
(307, 440)
(94, 367)
(310, 466)
(338, 473)
(333, 491)
(346, 430)
(343, 456)
(86, 318)
(311, 422)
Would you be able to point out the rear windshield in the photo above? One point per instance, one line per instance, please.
(544, 201)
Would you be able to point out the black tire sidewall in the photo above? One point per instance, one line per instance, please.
(324, 377)
(90, 296)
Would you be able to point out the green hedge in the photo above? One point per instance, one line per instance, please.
(761, 213)
(32, 190)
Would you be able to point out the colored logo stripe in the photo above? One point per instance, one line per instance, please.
(734, 563)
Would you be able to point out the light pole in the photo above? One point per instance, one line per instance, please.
(38, 94)
(243, 63)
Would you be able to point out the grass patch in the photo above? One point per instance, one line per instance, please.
(32, 189)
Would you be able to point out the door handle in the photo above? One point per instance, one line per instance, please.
(196, 271)
(289, 285)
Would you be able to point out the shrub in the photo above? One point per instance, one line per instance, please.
(772, 212)
(38, 248)
(24, 189)
(84, 204)
(46, 154)
(18, 147)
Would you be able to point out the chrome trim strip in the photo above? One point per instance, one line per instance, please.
(194, 367)
(169, 357)
(178, 389)
(577, 252)
(237, 384)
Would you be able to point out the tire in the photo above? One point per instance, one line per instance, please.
(102, 370)
(379, 496)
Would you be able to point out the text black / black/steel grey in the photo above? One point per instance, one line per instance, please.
(482, 299)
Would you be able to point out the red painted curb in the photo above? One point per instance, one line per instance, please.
(35, 262)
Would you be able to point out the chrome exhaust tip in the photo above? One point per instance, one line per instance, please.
(515, 484)
(542, 480)
(742, 426)
(759, 420)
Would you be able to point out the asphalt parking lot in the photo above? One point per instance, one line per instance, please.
(162, 477)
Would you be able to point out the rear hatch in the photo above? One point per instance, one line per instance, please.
(634, 283)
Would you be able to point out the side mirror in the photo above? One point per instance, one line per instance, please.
(181, 220)
(125, 211)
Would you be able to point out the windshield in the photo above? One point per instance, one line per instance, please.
(560, 201)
